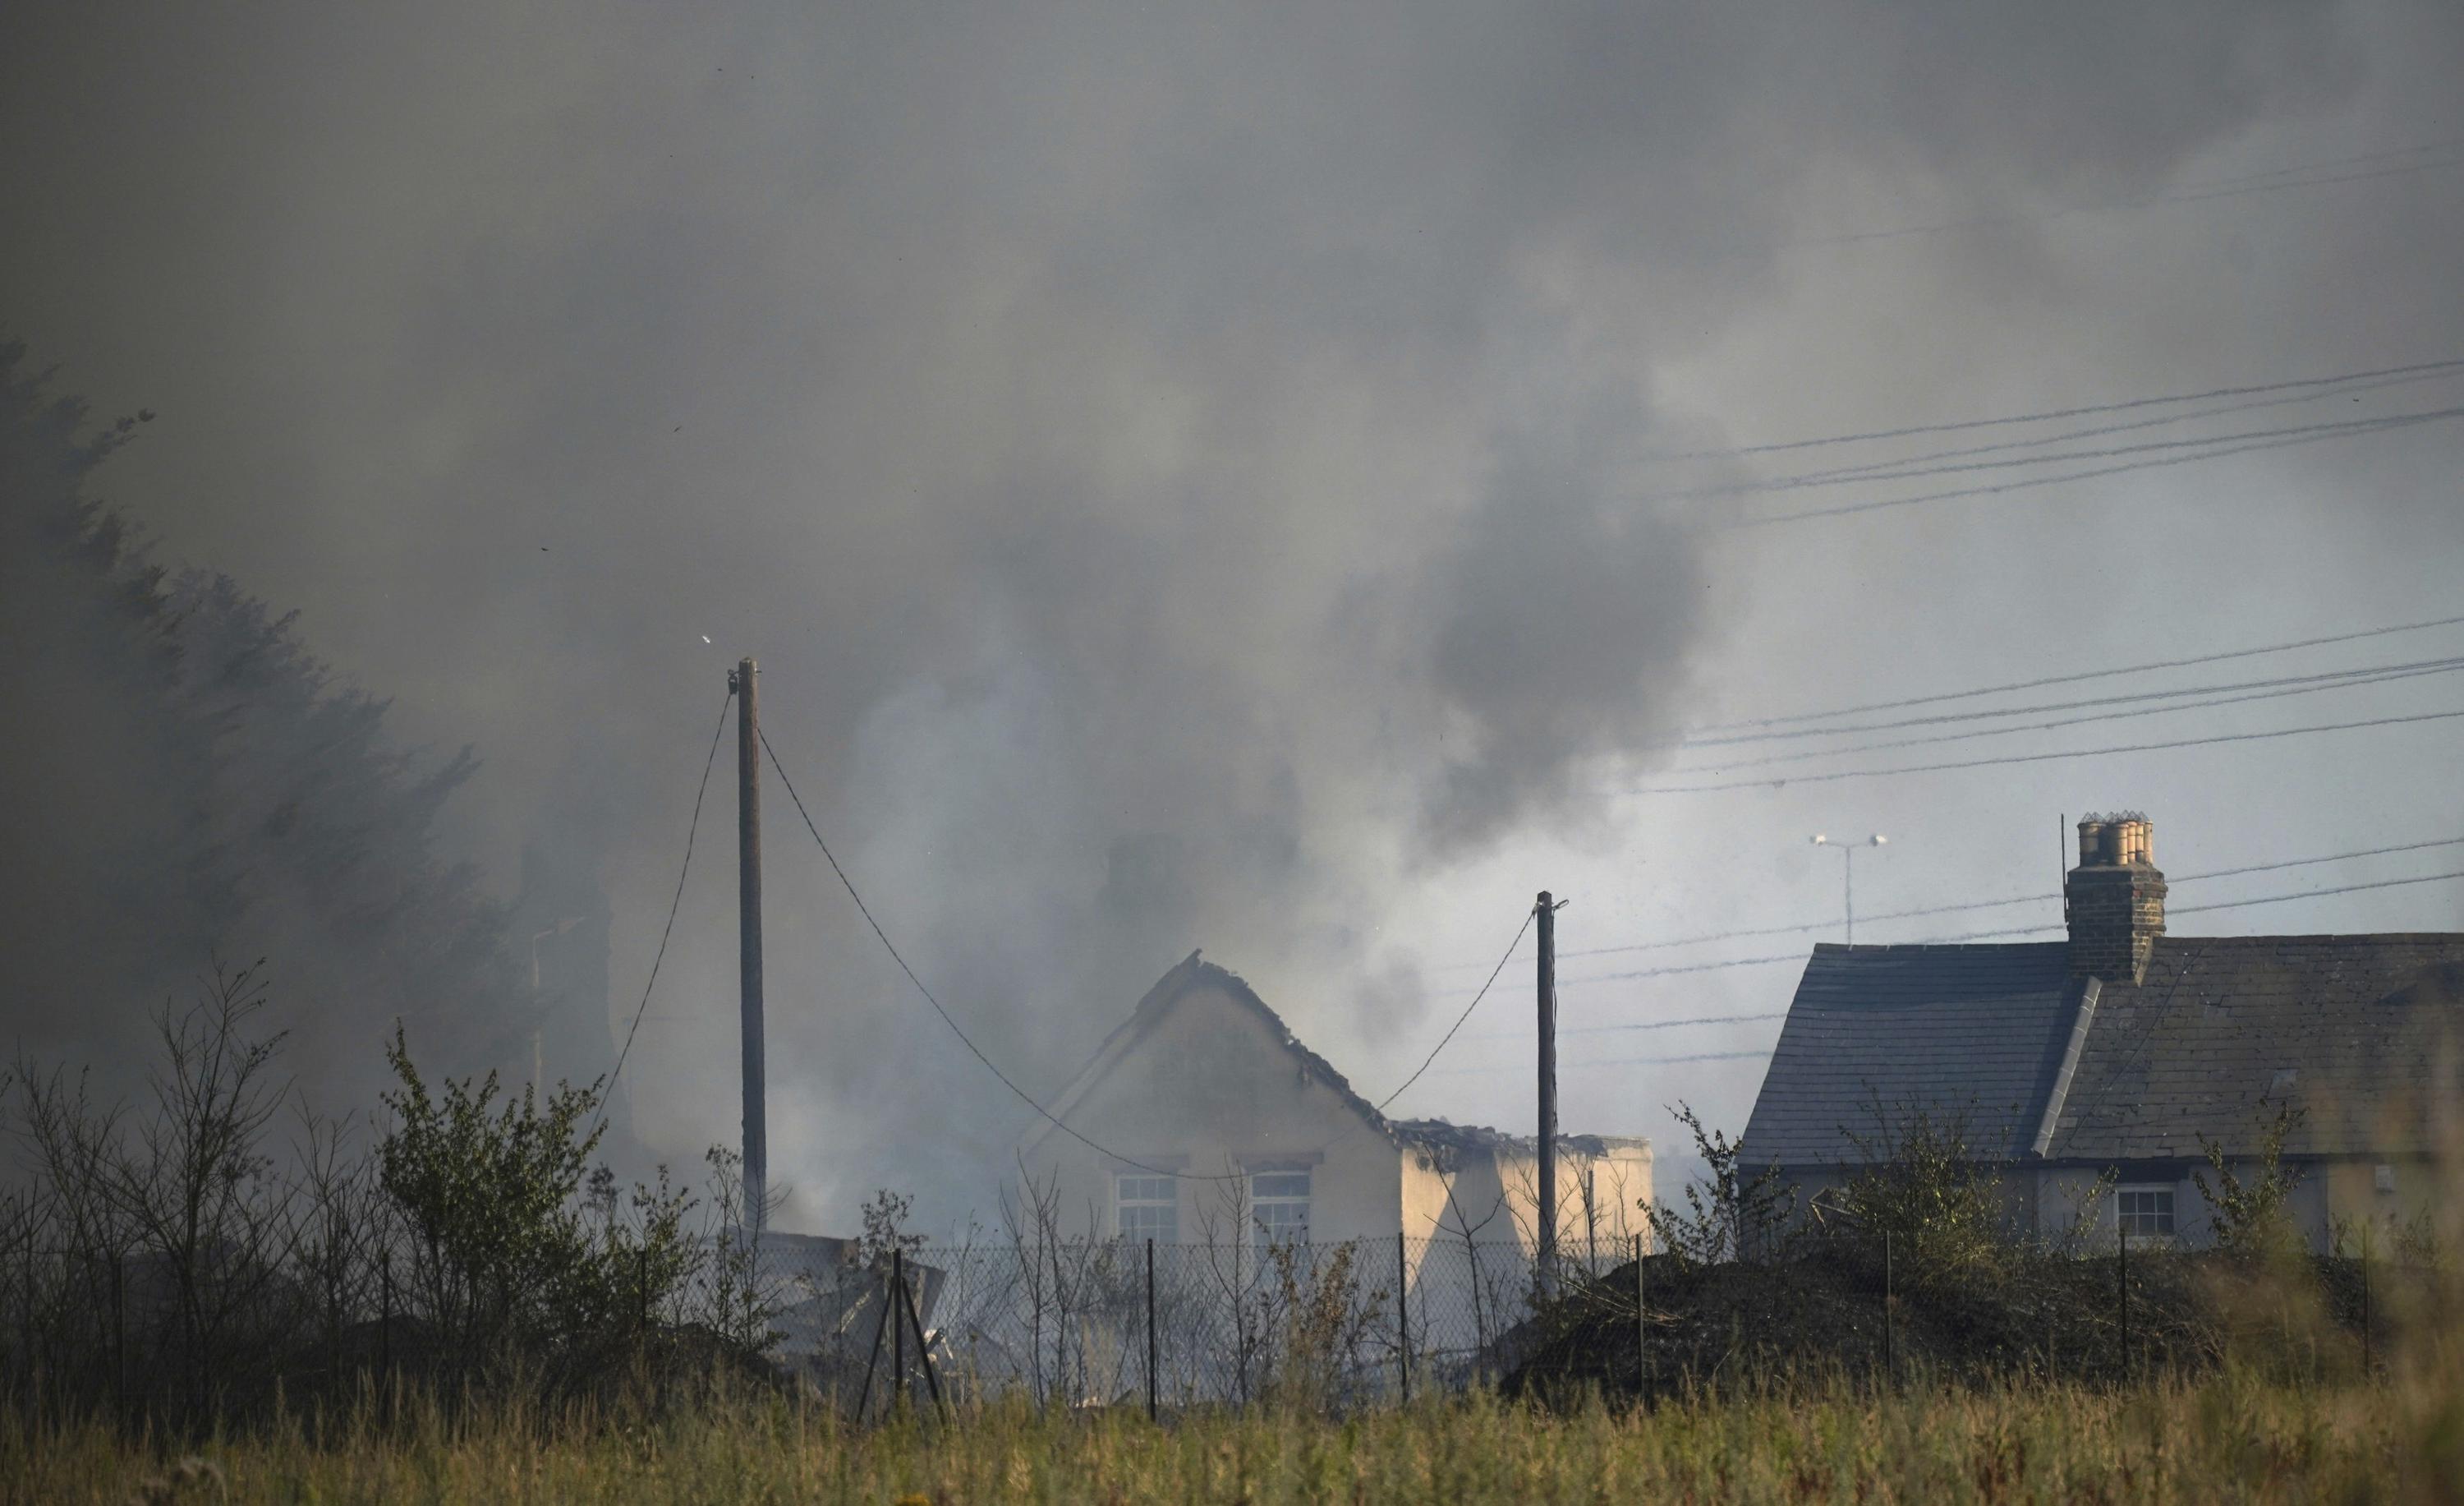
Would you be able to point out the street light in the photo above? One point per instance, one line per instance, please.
(1847, 851)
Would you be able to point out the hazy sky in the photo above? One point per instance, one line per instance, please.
(1194, 476)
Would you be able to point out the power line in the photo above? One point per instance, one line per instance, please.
(1835, 775)
(674, 902)
(2127, 405)
(1798, 957)
(2242, 904)
(1671, 1061)
(2088, 675)
(1866, 469)
(1621, 1061)
(2188, 194)
(2304, 862)
(2359, 676)
(2355, 429)
(1023, 1095)
(1945, 463)
(964, 1039)
(1944, 719)
(2322, 164)
(2345, 679)
(1646, 1025)
(1493, 973)
(2325, 164)
(2018, 930)
(2017, 900)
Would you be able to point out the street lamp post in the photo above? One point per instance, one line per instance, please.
(1847, 851)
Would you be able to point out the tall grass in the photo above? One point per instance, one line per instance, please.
(2231, 1437)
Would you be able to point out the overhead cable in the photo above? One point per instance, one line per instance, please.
(2127, 405)
(2362, 672)
(693, 828)
(1493, 973)
(2352, 428)
(2187, 194)
(2076, 677)
(1835, 775)
(2017, 930)
(2234, 904)
(1799, 957)
(955, 1028)
(1863, 470)
(1918, 467)
(1997, 904)
(2352, 679)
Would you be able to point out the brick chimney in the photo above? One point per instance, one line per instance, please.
(2115, 899)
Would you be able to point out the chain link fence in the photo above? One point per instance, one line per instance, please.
(1126, 1322)
(1374, 1323)
(1169, 1325)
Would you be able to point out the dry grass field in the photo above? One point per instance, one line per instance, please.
(2229, 1437)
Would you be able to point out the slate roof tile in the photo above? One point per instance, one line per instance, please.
(2197, 1048)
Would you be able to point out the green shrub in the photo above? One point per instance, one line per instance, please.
(515, 1245)
(2252, 1216)
(1922, 1185)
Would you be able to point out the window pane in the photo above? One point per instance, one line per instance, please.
(2145, 1213)
(1283, 1223)
(1149, 1220)
(1280, 1184)
(1149, 1207)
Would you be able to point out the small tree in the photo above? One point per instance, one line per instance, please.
(885, 1232)
(1727, 1216)
(2252, 1215)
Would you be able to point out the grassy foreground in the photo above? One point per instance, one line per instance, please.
(2231, 1437)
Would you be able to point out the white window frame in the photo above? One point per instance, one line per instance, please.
(2170, 1212)
(1272, 1198)
(1146, 1206)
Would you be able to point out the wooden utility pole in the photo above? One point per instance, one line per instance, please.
(1547, 1271)
(748, 911)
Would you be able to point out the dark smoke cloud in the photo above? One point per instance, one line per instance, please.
(1176, 464)
(1561, 633)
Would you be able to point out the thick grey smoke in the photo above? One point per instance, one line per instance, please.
(1178, 465)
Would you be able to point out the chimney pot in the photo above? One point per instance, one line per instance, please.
(2116, 897)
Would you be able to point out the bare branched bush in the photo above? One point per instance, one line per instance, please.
(182, 1261)
(1733, 1213)
(1327, 1324)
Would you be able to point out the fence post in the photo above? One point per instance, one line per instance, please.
(384, 1319)
(897, 1334)
(1154, 1409)
(923, 1349)
(2367, 1358)
(1641, 1330)
(1403, 1316)
(1890, 1331)
(2121, 1281)
(873, 1360)
(119, 1334)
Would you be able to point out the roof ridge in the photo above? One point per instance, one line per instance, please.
(1240, 989)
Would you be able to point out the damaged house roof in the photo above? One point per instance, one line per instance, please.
(1194, 974)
